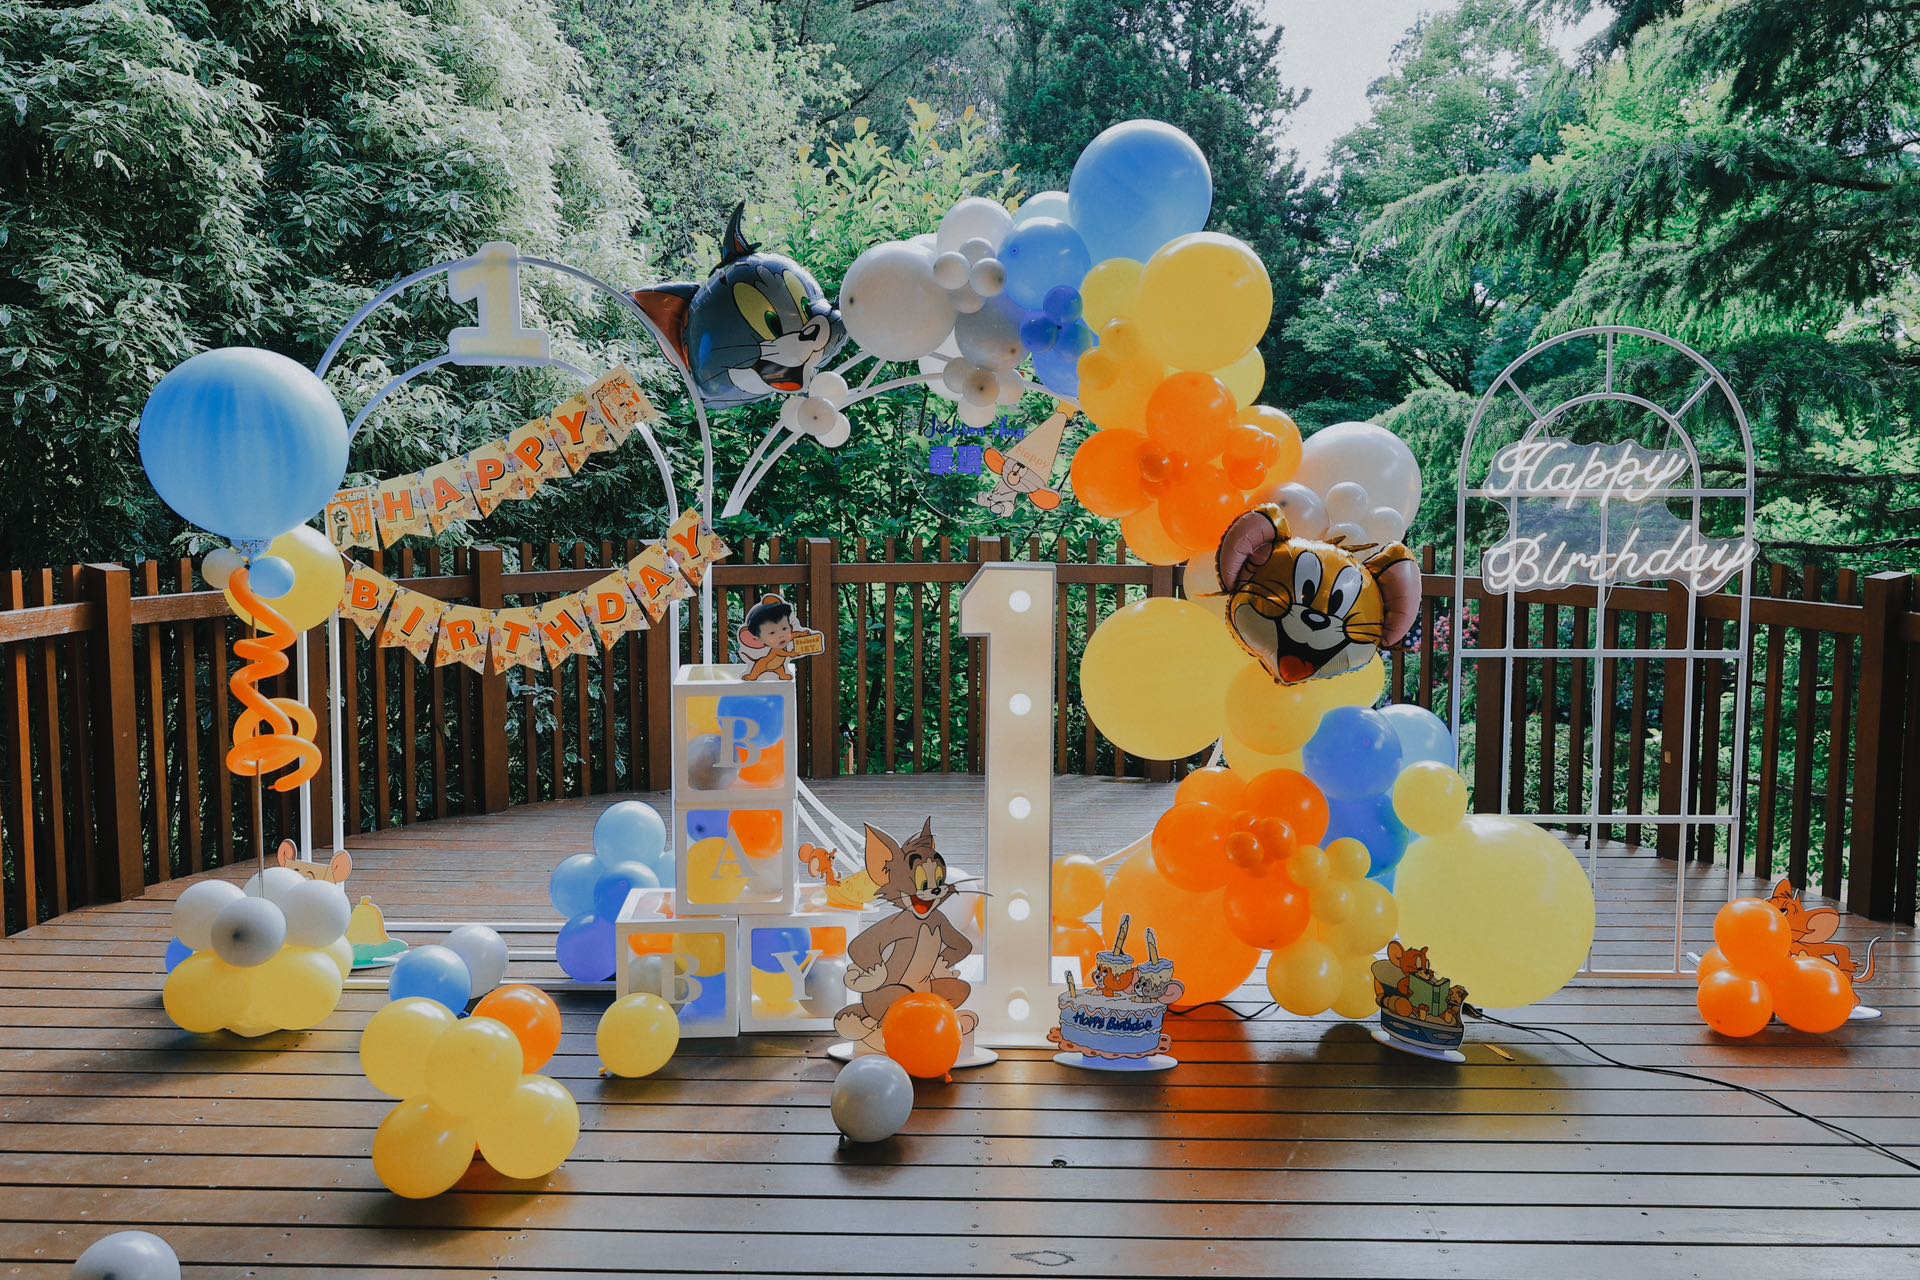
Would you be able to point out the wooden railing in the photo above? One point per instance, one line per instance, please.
(113, 723)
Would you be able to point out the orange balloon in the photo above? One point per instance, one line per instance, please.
(650, 944)
(1267, 912)
(531, 1015)
(1215, 784)
(922, 1034)
(1734, 1004)
(1197, 510)
(1106, 473)
(1247, 455)
(1191, 412)
(1714, 961)
(1081, 941)
(829, 939)
(1286, 434)
(1811, 994)
(1078, 888)
(1752, 935)
(768, 769)
(1212, 962)
(1189, 846)
(1294, 799)
(762, 832)
(1147, 538)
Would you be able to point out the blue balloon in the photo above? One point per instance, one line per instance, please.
(706, 824)
(1137, 186)
(585, 948)
(176, 952)
(1037, 334)
(630, 831)
(571, 888)
(1058, 369)
(1062, 304)
(1372, 822)
(764, 714)
(1424, 736)
(432, 972)
(1353, 753)
(769, 943)
(610, 893)
(1041, 255)
(710, 1003)
(244, 442)
(270, 577)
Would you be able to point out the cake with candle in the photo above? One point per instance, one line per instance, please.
(1122, 1011)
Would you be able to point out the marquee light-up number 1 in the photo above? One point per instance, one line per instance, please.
(1012, 605)
(492, 279)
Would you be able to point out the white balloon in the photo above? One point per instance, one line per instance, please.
(975, 218)
(1047, 204)
(827, 981)
(218, 566)
(1384, 525)
(891, 304)
(195, 909)
(979, 415)
(926, 240)
(1348, 532)
(872, 1098)
(950, 269)
(815, 416)
(829, 386)
(1306, 514)
(317, 912)
(966, 301)
(1367, 455)
(1012, 387)
(839, 433)
(128, 1255)
(988, 278)
(485, 953)
(1347, 501)
(790, 413)
(982, 386)
(1203, 581)
(978, 249)
(248, 931)
(280, 881)
(954, 376)
(991, 336)
(933, 368)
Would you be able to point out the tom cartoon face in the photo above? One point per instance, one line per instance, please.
(760, 325)
(912, 874)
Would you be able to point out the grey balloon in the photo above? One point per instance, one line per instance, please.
(872, 1098)
(705, 769)
(128, 1255)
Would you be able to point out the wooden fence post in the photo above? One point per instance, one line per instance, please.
(1674, 726)
(121, 872)
(823, 670)
(1489, 697)
(489, 593)
(1159, 583)
(1878, 737)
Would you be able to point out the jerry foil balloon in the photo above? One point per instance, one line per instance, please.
(1307, 609)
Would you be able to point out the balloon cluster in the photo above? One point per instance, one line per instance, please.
(819, 410)
(1356, 755)
(467, 1085)
(1329, 966)
(466, 967)
(1079, 887)
(1751, 976)
(629, 852)
(1500, 904)
(270, 957)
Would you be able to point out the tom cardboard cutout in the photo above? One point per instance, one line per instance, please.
(914, 949)
(760, 325)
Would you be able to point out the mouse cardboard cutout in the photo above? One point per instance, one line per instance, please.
(1025, 470)
(915, 949)
(1308, 609)
(770, 638)
(760, 325)
(1420, 1011)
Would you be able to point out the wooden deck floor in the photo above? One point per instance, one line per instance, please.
(1279, 1147)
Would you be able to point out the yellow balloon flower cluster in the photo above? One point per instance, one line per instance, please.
(463, 1087)
(1330, 965)
(270, 957)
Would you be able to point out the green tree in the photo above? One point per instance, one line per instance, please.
(895, 52)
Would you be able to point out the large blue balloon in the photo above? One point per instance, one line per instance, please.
(1040, 256)
(571, 888)
(433, 973)
(244, 442)
(630, 831)
(764, 714)
(610, 894)
(1424, 736)
(585, 948)
(706, 824)
(1137, 186)
(1372, 822)
(1353, 753)
(769, 943)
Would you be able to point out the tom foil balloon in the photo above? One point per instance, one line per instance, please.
(759, 326)
(1308, 609)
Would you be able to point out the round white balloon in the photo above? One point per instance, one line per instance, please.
(891, 304)
(195, 909)
(218, 566)
(839, 433)
(1306, 514)
(991, 335)
(933, 368)
(248, 932)
(979, 415)
(829, 386)
(982, 386)
(988, 278)
(128, 1255)
(974, 218)
(815, 415)
(1370, 456)
(950, 269)
(1347, 502)
(317, 912)
(485, 953)
(1384, 525)
(955, 375)
(966, 301)
(1047, 204)
(279, 881)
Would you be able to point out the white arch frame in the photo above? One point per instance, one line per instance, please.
(1507, 651)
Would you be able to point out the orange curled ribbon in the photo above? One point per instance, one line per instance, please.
(272, 732)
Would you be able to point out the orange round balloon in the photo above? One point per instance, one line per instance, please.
(1268, 912)
(1248, 454)
(768, 769)
(1082, 942)
(1197, 510)
(762, 832)
(922, 1034)
(1147, 538)
(1811, 994)
(531, 1015)
(1286, 434)
(1752, 935)
(1712, 962)
(1078, 887)
(1294, 799)
(1734, 1004)
(1192, 412)
(829, 939)
(1212, 962)
(1215, 784)
(1189, 846)
(650, 944)
(1106, 473)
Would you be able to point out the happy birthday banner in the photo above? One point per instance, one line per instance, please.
(472, 485)
(630, 598)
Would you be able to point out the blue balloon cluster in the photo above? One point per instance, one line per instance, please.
(1058, 337)
(1354, 757)
(589, 889)
(1041, 255)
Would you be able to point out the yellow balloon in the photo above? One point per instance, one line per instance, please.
(1107, 292)
(1349, 859)
(472, 1066)
(1429, 798)
(1504, 909)
(393, 1048)
(1355, 999)
(298, 988)
(341, 952)
(773, 995)
(708, 951)
(1149, 540)
(1244, 377)
(1272, 718)
(1334, 902)
(1201, 583)
(1309, 866)
(703, 716)
(1154, 674)
(637, 1035)
(1304, 978)
(204, 993)
(715, 874)
(529, 1132)
(1113, 393)
(1205, 301)
(319, 579)
(1079, 887)
(1371, 920)
(421, 1149)
(1244, 759)
(1360, 688)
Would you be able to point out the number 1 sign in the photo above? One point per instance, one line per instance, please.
(1012, 605)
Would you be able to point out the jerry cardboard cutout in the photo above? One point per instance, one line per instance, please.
(913, 950)
(1420, 1011)
(1025, 469)
(1813, 933)
(770, 639)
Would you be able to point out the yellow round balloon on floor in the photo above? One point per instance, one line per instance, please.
(1154, 677)
(393, 1048)
(637, 1034)
(421, 1149)
(1205, 301)
(531, 1130)
(471, 1067)
(319, 579)
(204, 993)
